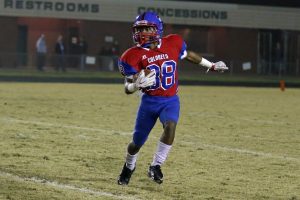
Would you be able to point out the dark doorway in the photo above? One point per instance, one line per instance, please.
(22, 45)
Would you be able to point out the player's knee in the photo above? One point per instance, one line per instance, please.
(133, 148)
(169, 128)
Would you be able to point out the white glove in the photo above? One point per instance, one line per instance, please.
(219, 66)
(145, 81)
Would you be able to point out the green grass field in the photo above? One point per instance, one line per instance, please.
(68, 141)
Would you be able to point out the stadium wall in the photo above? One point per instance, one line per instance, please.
(230, 32)
(173, 12)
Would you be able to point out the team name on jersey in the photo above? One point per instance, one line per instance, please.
(158, 57)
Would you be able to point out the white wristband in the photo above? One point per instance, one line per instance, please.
(206, 63)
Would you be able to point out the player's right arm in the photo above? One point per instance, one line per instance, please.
(130, 86)
(130, 68)
(141, 82)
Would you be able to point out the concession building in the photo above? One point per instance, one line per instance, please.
(257, 39)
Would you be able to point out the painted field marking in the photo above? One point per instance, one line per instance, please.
(64, 186)
(216, 147)
(63, 126)
(244, 151)
(260, 121)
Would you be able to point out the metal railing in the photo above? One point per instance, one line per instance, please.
(58, 62)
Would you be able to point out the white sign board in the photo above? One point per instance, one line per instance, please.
(173, 12)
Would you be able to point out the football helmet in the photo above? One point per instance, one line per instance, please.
(147, 28)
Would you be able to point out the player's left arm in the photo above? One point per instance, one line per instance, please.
(198, 59)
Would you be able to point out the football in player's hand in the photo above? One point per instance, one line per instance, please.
(146, 71)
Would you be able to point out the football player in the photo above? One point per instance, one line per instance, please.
(152, 67)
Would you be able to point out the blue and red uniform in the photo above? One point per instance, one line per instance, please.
(160, 100)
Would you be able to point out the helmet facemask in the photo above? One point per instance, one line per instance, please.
(145, 34)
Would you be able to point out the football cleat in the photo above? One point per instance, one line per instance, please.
(125, 175)
(155, 174)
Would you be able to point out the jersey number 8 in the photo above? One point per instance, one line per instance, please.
(165, 75)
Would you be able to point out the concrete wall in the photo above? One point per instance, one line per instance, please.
(173, 12)
(212, 42)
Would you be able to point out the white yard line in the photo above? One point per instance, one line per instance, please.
(64, 186)
(244, 151)
(108, 194)
(260, 121)
(63, 126)
(211, 146)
